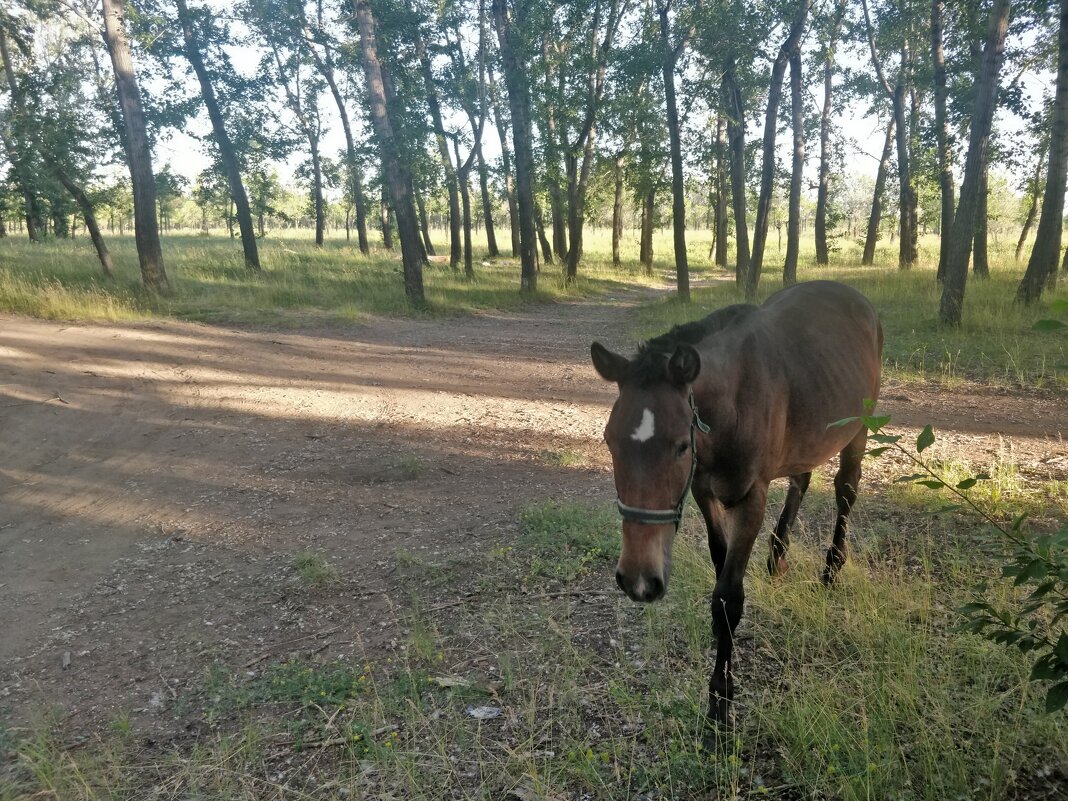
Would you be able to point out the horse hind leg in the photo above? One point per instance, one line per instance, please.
(780, 538)
(846, 481)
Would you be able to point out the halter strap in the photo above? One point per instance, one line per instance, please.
(660, 517)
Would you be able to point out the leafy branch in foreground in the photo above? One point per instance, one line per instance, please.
(1036, 623)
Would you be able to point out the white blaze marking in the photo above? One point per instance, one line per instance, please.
(644, 431)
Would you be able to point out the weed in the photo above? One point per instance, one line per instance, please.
(314, 569)
(564, 458)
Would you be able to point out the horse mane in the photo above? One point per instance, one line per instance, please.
(649, 366)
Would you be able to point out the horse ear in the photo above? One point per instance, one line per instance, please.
(684, 365)
(610, 366)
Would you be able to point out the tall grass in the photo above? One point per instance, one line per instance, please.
(60, 279)
(544, 686)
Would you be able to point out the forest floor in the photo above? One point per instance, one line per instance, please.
(161, 480)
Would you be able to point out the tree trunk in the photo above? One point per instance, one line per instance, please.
(964, 220)
(424, 226)
(86, 207)
(617, 209)
(980, 252)
(1035, 190)
(395, 170)
(546, 246)
(645, 248)
(146, 232)
(736, 138)
(904, 181)
(326, 69)
(317, 187)
(434, 105)
(793, 225)
(945, 157)
(23, 171)
(767, 173)
(487, 207)
(823, 192)
(506, 165)
(875, 218)
(721, 190)
(678, 180)
(519, 103)
(222, 139)
(1042, 265)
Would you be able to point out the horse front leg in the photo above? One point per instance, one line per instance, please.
(715, 520)
(728, 598)
(846, 481)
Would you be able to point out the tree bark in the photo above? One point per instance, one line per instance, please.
(1042, 265)
(645, 254)
(617, 208)
(424, 226)
(455, 252)
(793, 225)
(875, 218)
(385, 220)
(678, 180)
(86, 207)
(1035, 191)
(823, 192)
(222, 139)
(487, 207)
(519, 103)
(23, 172)
(736, 138)
(721, 191)
(506, 164)
(325, 65)
(961, 236)
(139, 154)
(767, 173)
(945, 157)
(980, 252)
(395, 171)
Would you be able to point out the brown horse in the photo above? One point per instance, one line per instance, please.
(721, 407)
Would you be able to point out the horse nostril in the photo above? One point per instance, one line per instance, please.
(654, 588)
(619, 581)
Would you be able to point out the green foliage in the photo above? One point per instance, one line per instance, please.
(1036, 624)
(314, 569)
(567, 540)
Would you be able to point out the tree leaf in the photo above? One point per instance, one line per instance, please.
(967, 483)
(843, 422)
(877, 451)
(925, 440)
(932, 483)
(1057, 697)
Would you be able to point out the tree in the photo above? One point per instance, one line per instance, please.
(793, 226)
(945, 155)
(1042, 265)
(831, 37)
(138, 153)
(395, 173)
(898, 94)
(519, 104)
(194, 50)
(963, 231)
(875, 217)
(771, 124)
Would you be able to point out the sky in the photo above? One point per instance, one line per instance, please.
(863, 135)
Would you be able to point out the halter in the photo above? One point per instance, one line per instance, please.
(660, 517)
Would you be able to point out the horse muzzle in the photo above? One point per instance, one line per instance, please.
(644, 588)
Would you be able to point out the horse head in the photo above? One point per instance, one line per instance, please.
(651, 434)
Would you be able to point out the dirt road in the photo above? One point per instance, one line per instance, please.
(156, 481)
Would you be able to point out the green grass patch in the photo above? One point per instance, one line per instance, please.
(299, 285)
(314, 569)
(565, 541)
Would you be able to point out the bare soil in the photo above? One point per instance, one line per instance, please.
(157, 480)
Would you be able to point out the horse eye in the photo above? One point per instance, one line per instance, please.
(681, 448)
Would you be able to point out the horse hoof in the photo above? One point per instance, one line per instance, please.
(778, 567)
(830, 577)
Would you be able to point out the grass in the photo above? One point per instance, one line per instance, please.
(314, 569)
(300, 284)
(864, 691)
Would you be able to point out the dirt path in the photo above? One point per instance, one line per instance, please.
(157, 480)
